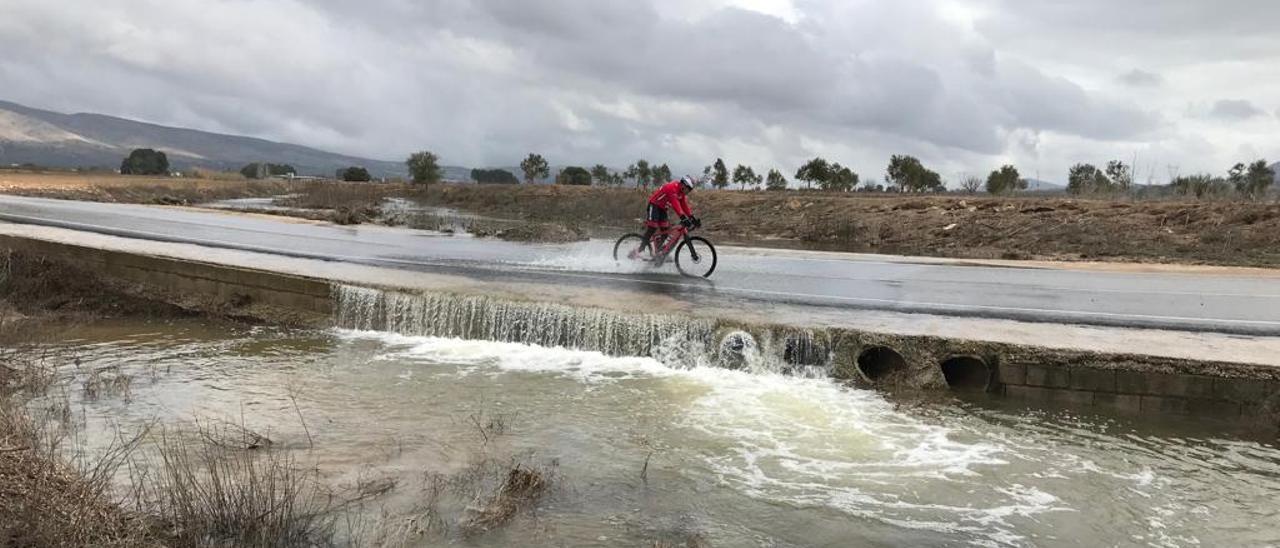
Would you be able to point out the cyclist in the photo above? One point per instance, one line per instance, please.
(672, 195)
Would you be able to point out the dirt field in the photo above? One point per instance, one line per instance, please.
(972, 227)
(134, 189)
(977, 227)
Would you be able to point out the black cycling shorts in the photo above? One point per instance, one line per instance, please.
(656, 216)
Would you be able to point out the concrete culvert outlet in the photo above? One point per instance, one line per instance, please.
(966, 373)
(877, 362)
(736, 349)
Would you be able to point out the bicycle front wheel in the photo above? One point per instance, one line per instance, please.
(696, 257)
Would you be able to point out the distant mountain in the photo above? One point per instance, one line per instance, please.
(1039, 185)
(52, 139)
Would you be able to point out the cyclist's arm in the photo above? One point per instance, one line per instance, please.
(681, 205)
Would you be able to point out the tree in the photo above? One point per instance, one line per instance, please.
(600, 174)
(574, 175)
(911, 176)
(970, 183)
(1252, 181)
(1005, 180)
(145, 161)
(356, 174)
(1200, 186)
(534, 167)
(816, 170)
(494, 177)
(744, 175)
(1087, 179)
(720, 174)
(775, 181)
(1121, 175)
(839, 178)
(424, 167)
(661, 174)
(640, 172)
(258, 170)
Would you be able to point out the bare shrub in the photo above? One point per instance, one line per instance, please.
(203, 494)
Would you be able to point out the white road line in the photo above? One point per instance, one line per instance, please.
(869, 300)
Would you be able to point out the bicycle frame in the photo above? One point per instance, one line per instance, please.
(674, 234)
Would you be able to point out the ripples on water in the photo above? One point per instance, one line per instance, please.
(743, 459)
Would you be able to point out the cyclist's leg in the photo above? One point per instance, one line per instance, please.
(655, 218)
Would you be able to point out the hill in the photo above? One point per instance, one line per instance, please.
(29, 135)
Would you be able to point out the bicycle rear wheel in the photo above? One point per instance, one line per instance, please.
(696, 257)
(632, 242)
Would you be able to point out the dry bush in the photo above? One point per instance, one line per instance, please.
(40, 285)
(520, 490)
(202, 494)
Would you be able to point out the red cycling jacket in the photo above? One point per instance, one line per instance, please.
(671, 195)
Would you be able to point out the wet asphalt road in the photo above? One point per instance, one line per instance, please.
(1195, 302)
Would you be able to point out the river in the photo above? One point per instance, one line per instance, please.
(644, 452)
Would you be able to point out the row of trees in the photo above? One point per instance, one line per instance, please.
(1249, 181)
(904, 174)
(260, 170)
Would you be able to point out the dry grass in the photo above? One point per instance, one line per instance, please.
(204, 494)
(136, 189)
(1229, 233)
(39, 285)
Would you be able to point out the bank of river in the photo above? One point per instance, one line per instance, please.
(733, 458)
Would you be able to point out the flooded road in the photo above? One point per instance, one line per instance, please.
(1238, 304)
(733, 458)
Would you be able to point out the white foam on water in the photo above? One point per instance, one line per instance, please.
(799, 441)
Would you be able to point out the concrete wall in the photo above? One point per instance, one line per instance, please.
(262, 295)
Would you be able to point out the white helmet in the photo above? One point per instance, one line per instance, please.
(687, 183)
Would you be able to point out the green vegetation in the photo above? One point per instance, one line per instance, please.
(600, 175)
(259, 170)
(816, 170)
(424, 167)
(840, 178)
(720, 174)
(494, 177)
(661, 175)
(574, 175)
(909, 175)
(640, 172)
(535, 167)
(775, 181)
(1088, 179)
(1253, 181)
(744, 175)
(1005, 180)
(145, 161)
(356, 174)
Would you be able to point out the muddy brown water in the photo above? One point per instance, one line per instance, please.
(734, 458)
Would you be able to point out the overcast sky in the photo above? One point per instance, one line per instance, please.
(965, 85)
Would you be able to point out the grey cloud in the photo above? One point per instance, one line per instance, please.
(1140, 78)
(1235, 110)
(584, 81)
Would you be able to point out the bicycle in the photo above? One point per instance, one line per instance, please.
(695, 256)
